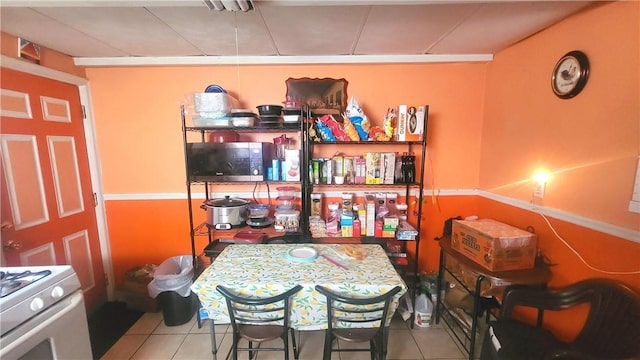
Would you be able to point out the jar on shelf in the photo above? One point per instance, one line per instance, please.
(316, 204)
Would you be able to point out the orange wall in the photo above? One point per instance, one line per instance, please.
(489, 126)
(138, 117)
(590, 143)
(140, 141)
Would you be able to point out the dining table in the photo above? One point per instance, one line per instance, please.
(262, 270)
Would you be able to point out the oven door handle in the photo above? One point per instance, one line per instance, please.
(74, 299)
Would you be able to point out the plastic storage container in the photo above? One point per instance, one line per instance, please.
(287, 220)
(171, 285)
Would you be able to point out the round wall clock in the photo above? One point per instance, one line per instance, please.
(570, 74)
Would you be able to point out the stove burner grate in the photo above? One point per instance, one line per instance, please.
(12, 282)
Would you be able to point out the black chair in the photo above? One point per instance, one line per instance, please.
(611, 330)
(260, 319)
(357, 320)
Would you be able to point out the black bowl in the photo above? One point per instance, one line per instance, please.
(292, 111)
(269, 109)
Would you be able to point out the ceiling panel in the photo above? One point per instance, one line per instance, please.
(214, 32)
(43, 30)
(105, 29)
(495, 26)
(415, 27)
(133, 30)
(314, 30)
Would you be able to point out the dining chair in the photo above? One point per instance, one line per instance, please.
(258, 320)
(357, 320)
(610, 330)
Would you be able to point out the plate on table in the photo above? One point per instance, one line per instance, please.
(304, 253)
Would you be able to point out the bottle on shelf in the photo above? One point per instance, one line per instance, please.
(333, 219)
(410, 169)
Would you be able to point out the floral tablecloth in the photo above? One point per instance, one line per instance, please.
(265, 270)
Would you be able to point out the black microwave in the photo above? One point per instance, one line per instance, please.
(234, 161)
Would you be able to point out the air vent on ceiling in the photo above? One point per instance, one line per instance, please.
(229, 5)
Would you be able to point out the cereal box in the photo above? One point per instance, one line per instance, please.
(372, 170)
(411, 122)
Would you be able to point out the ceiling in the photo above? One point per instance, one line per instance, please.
(103, 30)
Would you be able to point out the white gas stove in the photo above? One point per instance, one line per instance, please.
(42, 312)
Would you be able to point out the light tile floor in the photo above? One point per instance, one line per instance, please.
(150, 339)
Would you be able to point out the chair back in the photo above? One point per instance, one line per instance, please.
(258, 311)
(345, 312)
(611, 329)
(613, 324)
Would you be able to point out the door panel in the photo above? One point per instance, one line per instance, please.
(48, 215)
(64, 166)
(21, 161)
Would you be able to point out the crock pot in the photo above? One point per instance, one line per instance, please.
(226, 213)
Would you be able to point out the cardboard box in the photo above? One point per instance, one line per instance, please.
(494, 245)
(291, 165)
(387, 167)
(370, 201)
(360, 167)
(411, 122)
(362, 215)
(372, 168)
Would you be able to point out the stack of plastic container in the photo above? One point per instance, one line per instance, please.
(287, 216)
(211, 108)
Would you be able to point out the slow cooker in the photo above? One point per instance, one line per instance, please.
(226, 213)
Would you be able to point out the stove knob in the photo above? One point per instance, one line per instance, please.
(36, 304)
(57, 292)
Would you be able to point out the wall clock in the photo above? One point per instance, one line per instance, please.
(570, 74)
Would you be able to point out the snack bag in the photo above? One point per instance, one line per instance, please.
(350, 130)
(354, 252)
(362, 126)
(353, 108)
(388, 122)
(335, 127)
(314, 135)
(376, 133)
(325, 132)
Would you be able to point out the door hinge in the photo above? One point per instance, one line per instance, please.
(84, 112)
(95, 200)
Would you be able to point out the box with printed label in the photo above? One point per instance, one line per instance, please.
(370, 201)
(494, 245)
(387, 167)
(372, 168)
(411, 122)
(291, 165)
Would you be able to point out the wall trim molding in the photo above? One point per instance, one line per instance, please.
(279, 60)
(588, 223)
(42, 71)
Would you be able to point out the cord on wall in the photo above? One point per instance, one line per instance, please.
(636, 272)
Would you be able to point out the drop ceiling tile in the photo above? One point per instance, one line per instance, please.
(45, 31)
(314, 30)
(410, 29)
(133, 30)
(496, 26)
(214, 32)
